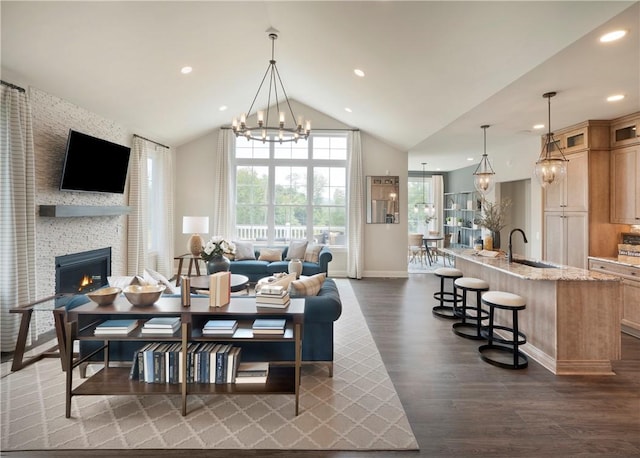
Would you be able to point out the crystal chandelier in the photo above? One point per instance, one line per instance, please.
(549, 168)
(483, 177)
(263, 131)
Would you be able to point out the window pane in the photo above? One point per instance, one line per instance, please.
(251, 222)
(291, 185)
(329, 185)
(329, 225)
(290, 222)
(251, 185)
(330, 148)
(251, 149)
(291, 150)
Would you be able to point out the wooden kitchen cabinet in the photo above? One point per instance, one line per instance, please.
(572, 193)
(630, 274)
(570, 238)
(576, 210)
(625, 185)
(625, 131)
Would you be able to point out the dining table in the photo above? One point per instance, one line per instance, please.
(430, 243)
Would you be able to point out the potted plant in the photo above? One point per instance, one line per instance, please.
(493, 218)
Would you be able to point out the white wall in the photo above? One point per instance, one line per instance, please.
(385, 245)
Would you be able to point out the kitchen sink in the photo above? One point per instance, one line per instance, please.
(540, 265)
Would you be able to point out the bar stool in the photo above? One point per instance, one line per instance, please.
(446, 311)
(491, 353)
(465, 329)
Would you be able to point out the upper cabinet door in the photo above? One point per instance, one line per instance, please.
(572, 193)
(625, 185)
(626, 132)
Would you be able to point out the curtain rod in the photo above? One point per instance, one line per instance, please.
(13, 86)
(159, 144)
(312, 130)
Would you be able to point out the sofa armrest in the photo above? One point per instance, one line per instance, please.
(324, 258)
(326, 306)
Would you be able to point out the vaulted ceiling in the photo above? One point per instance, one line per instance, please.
(434, 71)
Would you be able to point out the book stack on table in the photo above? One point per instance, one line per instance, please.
(220, 328)
(161, 325)
(115, 327)
(269, 326)
(272, 296)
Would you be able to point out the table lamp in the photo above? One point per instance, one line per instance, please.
(195, 225)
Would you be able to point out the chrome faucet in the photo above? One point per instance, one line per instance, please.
(510, 251)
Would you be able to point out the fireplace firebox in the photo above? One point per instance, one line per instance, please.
(80, 273)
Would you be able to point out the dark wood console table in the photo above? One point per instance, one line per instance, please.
(114, 380)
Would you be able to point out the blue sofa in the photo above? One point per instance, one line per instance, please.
(255, 269)
(317, 338)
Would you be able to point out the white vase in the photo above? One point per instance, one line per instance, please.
(295, 266)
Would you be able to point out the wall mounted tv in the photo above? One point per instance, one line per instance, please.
(94, 165)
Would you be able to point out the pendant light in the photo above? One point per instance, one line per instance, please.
(549, 168)
(428, 208)
(483, 177)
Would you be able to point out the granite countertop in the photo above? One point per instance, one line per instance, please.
(559, 273)
(615, 260)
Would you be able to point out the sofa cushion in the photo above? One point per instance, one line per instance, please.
(296, 250)
(244, 250)
(309, 286)
(312, 253)
(270, 254)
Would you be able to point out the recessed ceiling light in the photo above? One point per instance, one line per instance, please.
(438, 169)
(539, 126)
(222, 108)
(615, 98)
(469, 159)
(612, 36)
(186, 70)
(359, 72)
(348, 110)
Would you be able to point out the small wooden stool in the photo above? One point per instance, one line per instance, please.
(491, 352)
(442, 310)
(464, 328)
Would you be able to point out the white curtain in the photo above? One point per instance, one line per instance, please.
(223, 206)
(137, 222)
(355, 180)
(163, 208)
(437, 184)
(18, 272)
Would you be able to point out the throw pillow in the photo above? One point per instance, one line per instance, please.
(153, 277)
(244, 250)
(309, 286)
(270, 254)
(120, 282)
(313, 253)
(296, 249)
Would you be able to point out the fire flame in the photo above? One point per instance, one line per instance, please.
(86, 281)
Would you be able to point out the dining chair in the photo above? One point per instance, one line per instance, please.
(416, 248)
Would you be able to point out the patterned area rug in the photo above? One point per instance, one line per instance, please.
(357, 409)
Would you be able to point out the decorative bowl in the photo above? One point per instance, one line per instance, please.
(104, 296)
(143, 295)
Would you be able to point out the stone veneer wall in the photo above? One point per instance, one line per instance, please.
(52, 119)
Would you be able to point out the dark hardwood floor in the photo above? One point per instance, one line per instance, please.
(459, 406)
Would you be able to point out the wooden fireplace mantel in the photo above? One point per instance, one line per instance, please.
(67, 211)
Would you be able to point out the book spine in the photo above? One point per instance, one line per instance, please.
(220, 361)
(148, 364)
(133, 373)
(158, 358)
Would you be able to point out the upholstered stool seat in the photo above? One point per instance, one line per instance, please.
(442, 310)
(465, 313)
(503, 351)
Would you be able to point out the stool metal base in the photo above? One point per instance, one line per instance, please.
(467, 330)
(445, 311)
(512, 360)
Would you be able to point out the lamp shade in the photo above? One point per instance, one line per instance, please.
(195, 224)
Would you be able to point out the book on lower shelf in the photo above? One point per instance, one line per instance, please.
(161, 326)
(269, 325)
(252, 372)
(115, 327)
(220, 327)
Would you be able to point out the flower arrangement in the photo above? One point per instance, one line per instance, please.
(216, 247)
(493, 214)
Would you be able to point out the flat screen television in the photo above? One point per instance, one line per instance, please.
(94, 165)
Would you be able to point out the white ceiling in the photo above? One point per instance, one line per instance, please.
(435, 71)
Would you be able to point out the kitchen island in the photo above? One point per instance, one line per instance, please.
(572, 319)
